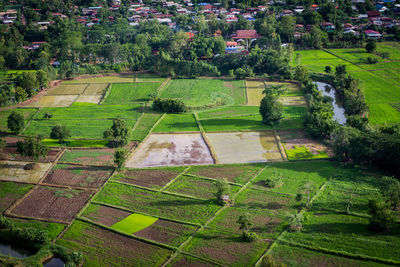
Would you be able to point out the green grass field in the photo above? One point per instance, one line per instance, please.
(83, 120)
(145, 124)
(380, 82)
(10, 192)
(226, 112)
(302, 152)
(177, 123)
(201, 93)
(293, 119)
(128, 93)
(157, 204)
(295, 175)
(134, 223)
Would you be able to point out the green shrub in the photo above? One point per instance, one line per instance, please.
(248, 236)
(169, 105)
(273, 181)
(5, 223)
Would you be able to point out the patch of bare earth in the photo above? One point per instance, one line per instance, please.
(148, 178)
(118, 249)
(107, 216)
(164, 231)
(14, 155)
(230, 173)
(192, 262)
(51, 203)
(82, 176)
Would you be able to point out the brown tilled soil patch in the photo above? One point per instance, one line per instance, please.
(264, 224)
(52, 203)
(227, 249)
(231, 173)
(107, 215)
(12, 153)
(115, 249)
(186, 261)
(292, 134)
(166, 232)
(148, 178)
(89, 156)
(82, 176)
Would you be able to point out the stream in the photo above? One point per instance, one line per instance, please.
(338, 111)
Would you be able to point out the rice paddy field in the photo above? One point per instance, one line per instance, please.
(161, 209)
(380, 82)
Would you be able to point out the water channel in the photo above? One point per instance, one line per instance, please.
(338, 111)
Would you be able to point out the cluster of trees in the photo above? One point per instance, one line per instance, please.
(349, 93)
(271, 109)
(169, 105)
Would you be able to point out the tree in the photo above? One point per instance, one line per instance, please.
(20, 94)
(269, 261)
(2, 143)
(15, 122)
(295, 222)
(118, 133)
(42, 78)
(390, 190)
(28, 81)
(301, 74)
(223, 190)
(370, 46)
(60, 132)
(382, 217)
(328, 69)
(120, 157)
(32, 147)
(308, 189)
(245, 224)
(271, 109)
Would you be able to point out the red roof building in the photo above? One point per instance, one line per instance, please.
(246, 34)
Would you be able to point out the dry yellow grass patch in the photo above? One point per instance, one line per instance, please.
(14, 171)
(68, 89)
(96, 89)
(299, 101)
(55, 101)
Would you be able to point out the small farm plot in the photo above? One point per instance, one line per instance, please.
(271, 203)
(245, 147)
(185, 260)
(14, 171)
(296, 256)
(230, 111)
(102, 247)
(163, 231)
(297, 149)
(26, 112)
(199, 93)
(265, 225)
(348, 186)
(104, 79)
(52, 229)
(95, 89)
(254, 96)
(177, 123)
(83, 120)
(89, 156)
(14, 155)
(196, 187)
(225, 248)
(171, 150)
(153, 178)
(79, 176)
(68, 89)
(145, 124)
(293, 119)
(294, 177)
(94, 99)
(157, 204)
(52, 203)
(298, 101)
(238, 173)
(10, 192)
(337, 233)
(128, 93)
(55, 101)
